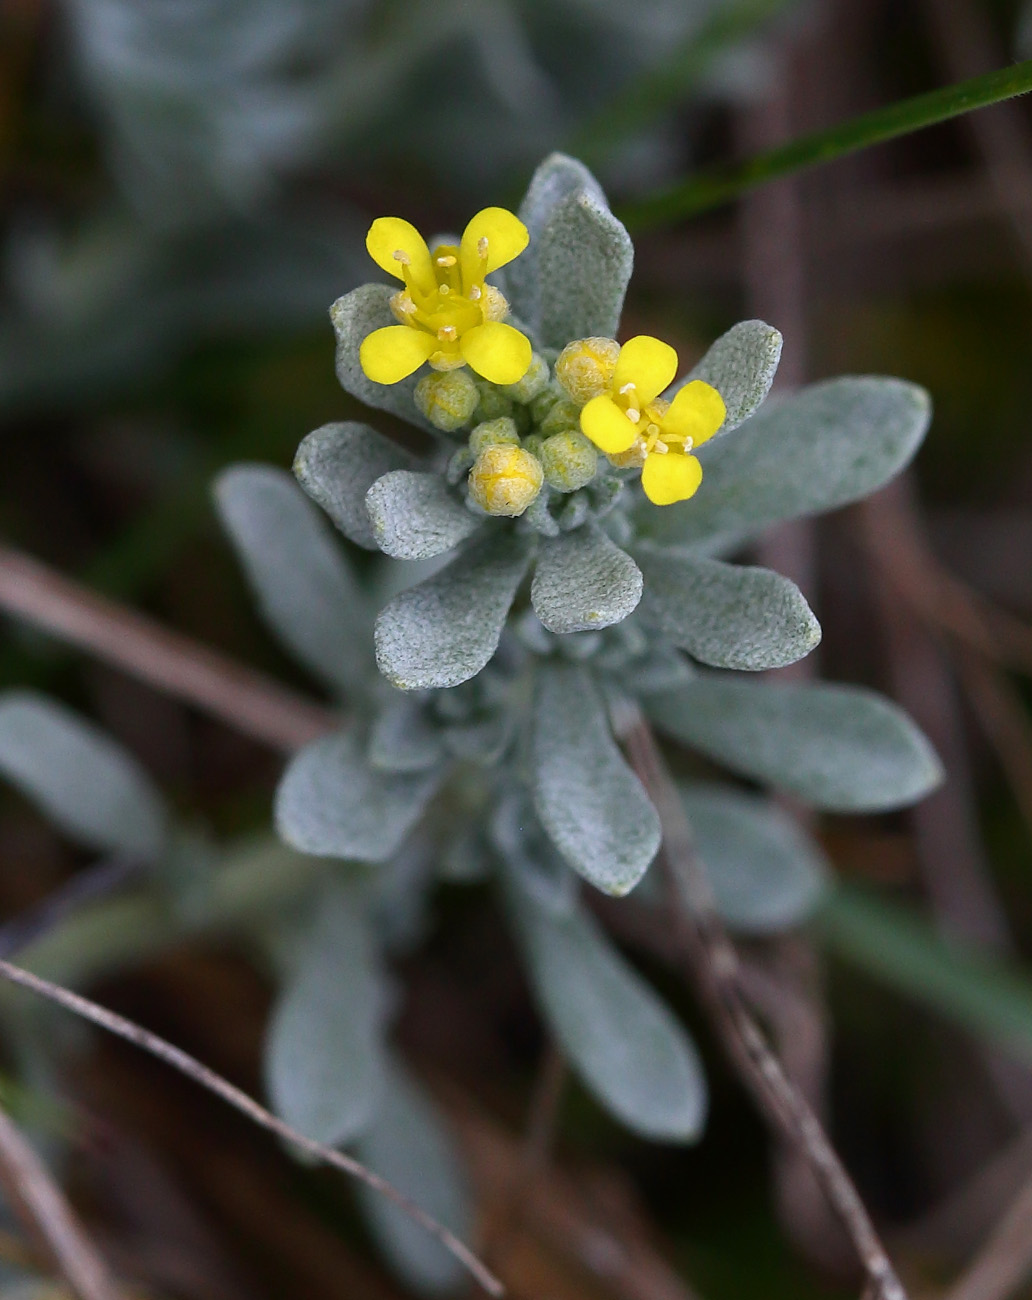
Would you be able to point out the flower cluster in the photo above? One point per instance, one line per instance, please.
(531, 425)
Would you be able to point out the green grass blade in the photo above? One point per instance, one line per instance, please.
(653, 92)
(894, 944)
(718, 185)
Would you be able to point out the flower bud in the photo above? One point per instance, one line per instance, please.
(569, 460)
(447, 399)
(505, 480)
(563, 415)
(585, 368)
(494, 433)
(535, 381)
(492, 402)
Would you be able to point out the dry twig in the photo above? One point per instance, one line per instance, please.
(41, 1205)
(239, 1100)
(713, 968)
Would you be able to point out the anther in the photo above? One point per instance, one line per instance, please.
(444, 288)
(482, 247)
(401, 256)
(446, 259)
(633, 414)
(447, 334)
(661, 447)
(475, 292)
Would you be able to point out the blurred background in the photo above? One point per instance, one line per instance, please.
(184, 189)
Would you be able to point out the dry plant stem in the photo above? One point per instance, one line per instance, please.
(714, 970)
(41, 1205)
(249, 701)
(239, 1100)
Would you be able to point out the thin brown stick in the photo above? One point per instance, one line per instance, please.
(248, 700)
(42, 1207)
(239, 1100)
(712, 965)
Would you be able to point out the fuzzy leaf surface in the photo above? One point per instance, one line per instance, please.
(354, 317)
(584, 581)
(726, 615)
(841, 748)
(767, 874)
(305, 589)
(415, 516)
(741, 366)
(323, 1053)
(444, 631)
(409, 1144)
(592, 805)
(330, 802)
(337, 464)
(831, 443)
(621, 1038)
(92, 789)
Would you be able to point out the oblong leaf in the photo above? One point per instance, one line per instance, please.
(584, 581)
(827, 445)
(305, 589)
(337, 464)
(403, 738)
(624, 1042)
(741, 366)
(444, 631)
(354, 317)
(591, 804)
(331, 803)
(409, 1144)
(766, 873)
(415, 516)
(841, 748)
(92, 789)
(323, 1050)
(726, 615)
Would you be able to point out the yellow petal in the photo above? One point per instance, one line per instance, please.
(498, 352)
(393, 353)
(608, 426)
(670, 478)
(506, 237)
(390, 235)
(697, 412)
(648, 364)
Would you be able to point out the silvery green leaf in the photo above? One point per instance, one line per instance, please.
(827, 445)
(482, 741)
(662, 669)
(591, 804)
(727, 615)
(409, 1144)
(741, 366)
(518, 837)
(767, 874)
(338, 464)
(92, 789)
(403, 738)
(305, 589)
(583, 581)
(354, 317)
(620, 1037)
(570, 282)
(330, 802)
(842, 748)
(445, 630)
(415, 516)
(323, 1055)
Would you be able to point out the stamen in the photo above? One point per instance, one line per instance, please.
(447, 259)
(627, 388)
(401, 256)
(688, 444)
(482, 248)
(661, 447)
(444, 288)
(633, 414)
(475, 292)
(447, 333)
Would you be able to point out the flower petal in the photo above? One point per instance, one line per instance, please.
(392, 353)
(506, 237)
(670, 478)
(390, 235)
(498, 352)
(697, 412)
(647, 363)
(607, 426)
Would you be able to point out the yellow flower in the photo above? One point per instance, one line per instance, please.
(634, 426)
(449, 316)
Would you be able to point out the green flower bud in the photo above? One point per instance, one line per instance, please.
(492, 402)
(533, 382)
(544, 402)
(563, 415)
(447, 398)
(505, 480)
(494, 433)
(585, 368)
(569, 460)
